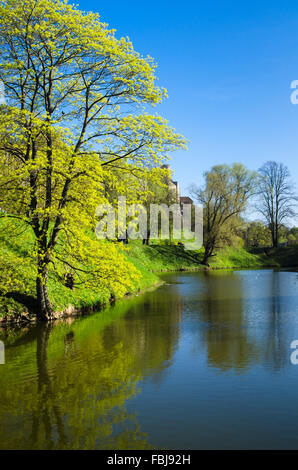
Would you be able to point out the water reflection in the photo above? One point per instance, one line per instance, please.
(47, 405)
(222, 307)
(242, 319)
(277, 340)
(202, 362)
(74, 394)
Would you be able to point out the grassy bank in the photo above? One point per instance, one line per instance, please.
(240, 258)
(157, 258)
(284, 256)
(149, 261)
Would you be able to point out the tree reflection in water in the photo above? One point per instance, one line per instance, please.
(74, 395)
(222, 308)
(46, 396)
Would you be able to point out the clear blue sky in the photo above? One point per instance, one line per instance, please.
(227, 66)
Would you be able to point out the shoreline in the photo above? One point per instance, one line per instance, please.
(71, 311)
(29, 318)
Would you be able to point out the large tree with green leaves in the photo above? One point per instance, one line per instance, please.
(74, 113)
(223, 197)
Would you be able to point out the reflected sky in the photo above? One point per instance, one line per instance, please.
(201, 362)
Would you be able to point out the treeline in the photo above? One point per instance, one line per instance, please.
(257, 235)
(228, 193)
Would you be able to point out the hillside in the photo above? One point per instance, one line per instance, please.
(149, 261)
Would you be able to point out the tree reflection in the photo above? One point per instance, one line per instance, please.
(277, 342)
(46, 396)
(75, 394)
(226, 337)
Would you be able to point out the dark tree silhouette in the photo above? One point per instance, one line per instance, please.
(277, 198)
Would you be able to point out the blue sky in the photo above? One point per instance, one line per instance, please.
(228, 66)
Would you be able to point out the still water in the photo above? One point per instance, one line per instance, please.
(203, 362)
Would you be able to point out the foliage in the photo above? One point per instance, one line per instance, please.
(223, 197)
(257, 235)
(147, 261)
(74, 120)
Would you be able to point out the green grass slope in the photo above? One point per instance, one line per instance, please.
(149, 261)
(239, 258)
(286, 256)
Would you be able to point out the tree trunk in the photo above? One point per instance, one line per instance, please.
(205, 260)
(207, 254)
(274, 234)
(43, 301)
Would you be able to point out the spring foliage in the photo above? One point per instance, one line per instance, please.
(74, 126)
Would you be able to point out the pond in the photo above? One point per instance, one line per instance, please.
(203, 362)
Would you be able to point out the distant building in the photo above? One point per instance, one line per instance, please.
(288, 243)
(185, 200)
(174, 188)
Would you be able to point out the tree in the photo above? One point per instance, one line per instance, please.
(223, 197)
(74, 115)
(159, 191)
(150, 188)
(277, 198)
(292, 239)
(293, 233)
(257, 234)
